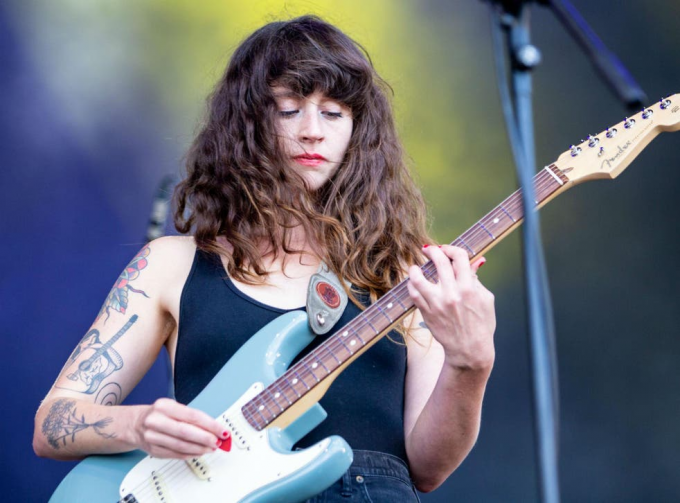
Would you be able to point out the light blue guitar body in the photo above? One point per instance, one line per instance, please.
(259, 467)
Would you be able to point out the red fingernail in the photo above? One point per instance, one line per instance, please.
(226, 445)
(425, 246)
(481, 263)
(226, 434)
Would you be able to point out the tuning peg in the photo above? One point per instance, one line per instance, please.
(575, 150)
(629, 123)
(665, 103)
(611, 133)
(592, 141)
(647, 113)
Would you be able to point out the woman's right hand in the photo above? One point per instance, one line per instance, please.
(168, 429)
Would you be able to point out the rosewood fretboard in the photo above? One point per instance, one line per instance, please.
(376, 320)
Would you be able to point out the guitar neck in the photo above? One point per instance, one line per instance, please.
(603, 156)
(321, 366)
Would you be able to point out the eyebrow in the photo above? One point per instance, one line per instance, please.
(286, 94)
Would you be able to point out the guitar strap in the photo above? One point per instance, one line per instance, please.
(326, 300)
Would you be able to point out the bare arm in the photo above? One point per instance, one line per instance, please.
(449, 363)
(82, 415)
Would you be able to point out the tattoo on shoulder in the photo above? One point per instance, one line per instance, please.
(62, 423)
(118, 296)
(93, 361)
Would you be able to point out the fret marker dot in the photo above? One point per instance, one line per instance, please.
(352, 343)
(389, 306)
(295, 381)
(345, 333)
(276, 395)
(261, 407)
(496, 220)
(314, 365)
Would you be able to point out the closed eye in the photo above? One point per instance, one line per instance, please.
(333, 115)
(287, 113)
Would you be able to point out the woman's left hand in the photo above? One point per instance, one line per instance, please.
(457, 309)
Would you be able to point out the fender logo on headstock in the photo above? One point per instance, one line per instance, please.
(675, 109)
(607, 163)
(622, 148)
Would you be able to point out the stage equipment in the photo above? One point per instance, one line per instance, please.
(510, 24)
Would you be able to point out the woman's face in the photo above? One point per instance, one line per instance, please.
(314, 131)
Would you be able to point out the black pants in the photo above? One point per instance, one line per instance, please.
(374, 477)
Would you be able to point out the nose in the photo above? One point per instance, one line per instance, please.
(310, 130)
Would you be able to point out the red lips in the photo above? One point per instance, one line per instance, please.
(317, 157)
(308, 159)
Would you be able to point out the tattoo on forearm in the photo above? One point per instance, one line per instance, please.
(109, 394)
(62, 423)
(118, 296)
(423, 325)
(93, 361)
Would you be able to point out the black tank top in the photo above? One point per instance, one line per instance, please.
(365, 403)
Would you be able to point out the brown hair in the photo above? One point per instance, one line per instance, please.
(368, 221)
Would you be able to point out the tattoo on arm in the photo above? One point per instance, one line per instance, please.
(118, 296)
(423, 325)
(93, 361)
(109, 394)
(62, 423)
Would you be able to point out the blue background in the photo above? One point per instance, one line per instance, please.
(84, 146)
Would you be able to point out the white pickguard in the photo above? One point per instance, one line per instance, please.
(220, 476)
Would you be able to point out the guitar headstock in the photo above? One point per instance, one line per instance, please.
(607, 154)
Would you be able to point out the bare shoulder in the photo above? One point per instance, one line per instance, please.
(173, 253)
(169, 260)
(174, 247)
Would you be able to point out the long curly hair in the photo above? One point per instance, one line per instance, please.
(367, 223)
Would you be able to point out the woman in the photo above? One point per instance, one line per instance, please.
(297, 165)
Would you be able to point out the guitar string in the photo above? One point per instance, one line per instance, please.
(364, 322)
(173, 472)
(509, 204)
(365, 319)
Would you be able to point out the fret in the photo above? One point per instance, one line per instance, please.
(274, 399)
(383, 313)
(248, 415)
(346, 347)
(280, 392)
(324, 366)
(363, 317)
(259, 411)
(298, 378)
(356, 334)
(487, 230)
(325, 346)
(310, 370)
(290, 385)
(394, 295)
(472, 252)
(506, 212)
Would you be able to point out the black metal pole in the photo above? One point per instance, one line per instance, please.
(517, 109)
(610, 68)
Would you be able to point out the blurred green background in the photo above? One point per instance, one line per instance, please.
(101, 100)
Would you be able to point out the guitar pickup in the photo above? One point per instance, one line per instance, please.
(199, 467)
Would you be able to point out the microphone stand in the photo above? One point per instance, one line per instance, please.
(510, 24)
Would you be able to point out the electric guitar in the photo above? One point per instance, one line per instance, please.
(268, 406)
